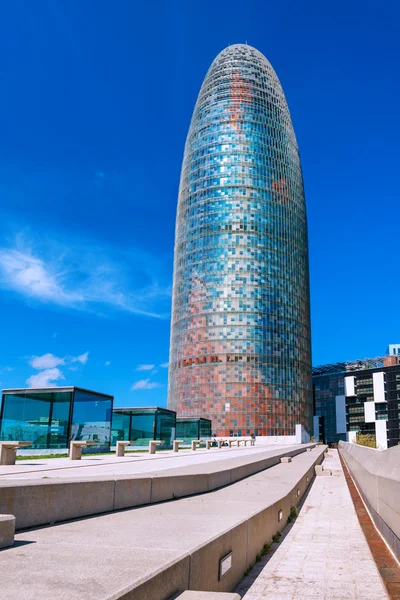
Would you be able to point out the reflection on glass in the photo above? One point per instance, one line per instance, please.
(121, 426)
(240, 330)
(41, 418)
(91, 419)
(140, 425)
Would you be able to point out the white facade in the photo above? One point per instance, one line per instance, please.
(379, 386)
(369, 412)
(381, 435)
(349, 388)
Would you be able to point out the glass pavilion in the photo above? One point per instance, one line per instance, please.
(193, 429)
(51, 417)
(142, 424)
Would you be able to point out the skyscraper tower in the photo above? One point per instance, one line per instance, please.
(240, 337)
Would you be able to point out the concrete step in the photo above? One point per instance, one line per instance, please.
(204, 542)
(36, 502)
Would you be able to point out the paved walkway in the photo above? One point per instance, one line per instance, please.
(111, 465)
(324, 556)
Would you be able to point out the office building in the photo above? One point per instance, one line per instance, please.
(373, 404)
(240, 335)
(51, 417)
(142, 424)
(358, 396)
(329, 412)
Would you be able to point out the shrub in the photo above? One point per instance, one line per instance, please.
(366, 439)
(294, 511)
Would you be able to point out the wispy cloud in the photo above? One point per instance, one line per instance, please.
(146, 384)
(83, 277)
(6, 370)
(164, 365)
(82, 358)
(107, 363)
(46, 378)
(46, 361)
(145, 367)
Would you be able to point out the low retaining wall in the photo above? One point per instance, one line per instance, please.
(377, 475)
(202, 543)
(40, 502)
(243, 541)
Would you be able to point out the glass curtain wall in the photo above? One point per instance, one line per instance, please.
(193, 429)
(121, 427)
(91, 420)
(187, 430)
(240, 331)
(41, 418)
(141, 426)
(166, 426)
(205, 429)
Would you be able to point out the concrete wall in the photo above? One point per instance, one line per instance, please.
(377, 475)
(244, 541)
(35, 503)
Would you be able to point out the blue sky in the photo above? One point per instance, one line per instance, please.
(96, 102)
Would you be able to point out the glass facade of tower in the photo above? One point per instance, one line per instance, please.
(240, 337)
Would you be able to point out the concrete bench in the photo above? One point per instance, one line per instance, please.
(153, 445)
(8, 451)
(195, 443)
(75, 448)
(121, 447)
(176, 445)
(231, 442)
(7, 530)
(319, 470)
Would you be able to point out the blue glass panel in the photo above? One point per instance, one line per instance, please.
(38, 417)
(91, 420)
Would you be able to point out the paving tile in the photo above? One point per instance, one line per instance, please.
(325, 555)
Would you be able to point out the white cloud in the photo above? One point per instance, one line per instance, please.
(83, 358)
(82, 277)
(145, 367)
(107, 363)
(48, 364)
(6, 370)
(164, 365)
(45, 378)
(46, 361)
(145, 384)
(30, 276)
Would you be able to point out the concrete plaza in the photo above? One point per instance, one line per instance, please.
(130, 464)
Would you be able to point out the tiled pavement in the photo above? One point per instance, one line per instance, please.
(324, 556)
